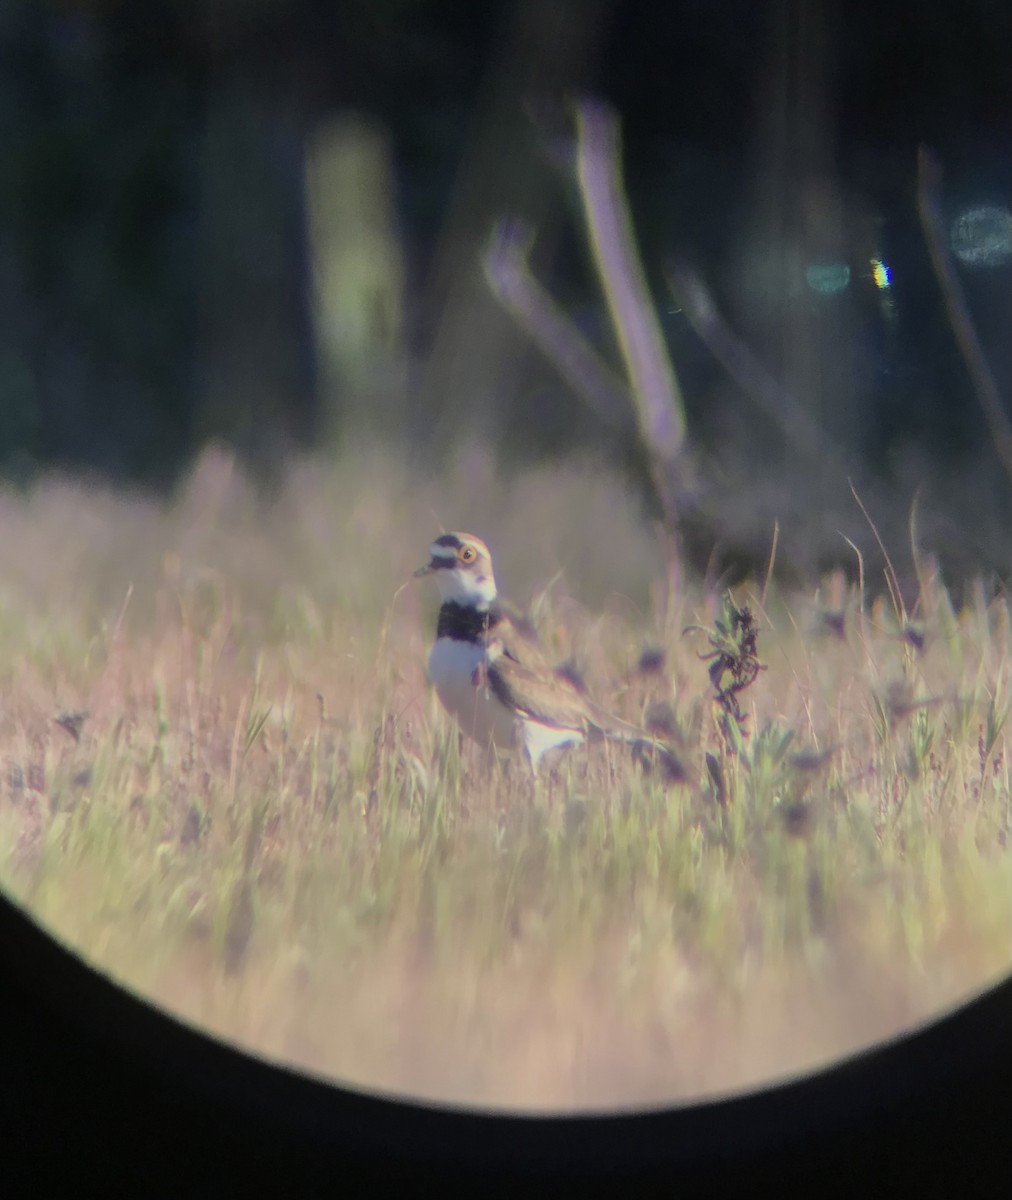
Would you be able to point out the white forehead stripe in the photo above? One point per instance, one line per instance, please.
(442, 549)
(476, 542)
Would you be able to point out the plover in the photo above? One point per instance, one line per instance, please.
(495, 680)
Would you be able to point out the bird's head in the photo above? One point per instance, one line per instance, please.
(462, 567)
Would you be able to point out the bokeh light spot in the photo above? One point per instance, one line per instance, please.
(881, 274)
(827, 278)
(982, 236)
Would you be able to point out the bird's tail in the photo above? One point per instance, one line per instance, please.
(646, 750)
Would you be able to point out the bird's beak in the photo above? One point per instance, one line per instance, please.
(426, 570)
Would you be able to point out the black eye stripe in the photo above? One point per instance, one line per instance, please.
(461, 549)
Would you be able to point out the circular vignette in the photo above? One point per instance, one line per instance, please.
(100, 1086)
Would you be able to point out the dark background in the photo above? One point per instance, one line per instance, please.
(156, 260)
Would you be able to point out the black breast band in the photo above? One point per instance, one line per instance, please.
(464, 623)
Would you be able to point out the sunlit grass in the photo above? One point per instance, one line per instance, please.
(269, 827)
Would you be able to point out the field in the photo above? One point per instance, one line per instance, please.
(266, 824)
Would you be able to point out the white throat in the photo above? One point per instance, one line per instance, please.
(469, 588)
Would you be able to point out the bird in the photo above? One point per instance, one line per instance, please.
(492, 676)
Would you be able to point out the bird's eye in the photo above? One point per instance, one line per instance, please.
(467, 554)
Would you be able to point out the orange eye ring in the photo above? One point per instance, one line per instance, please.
(467, 554)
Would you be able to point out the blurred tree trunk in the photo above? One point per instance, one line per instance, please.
(254, 346)
(358, 276)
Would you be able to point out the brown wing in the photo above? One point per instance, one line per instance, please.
(519, 646)
(523, 678)
(529, 692)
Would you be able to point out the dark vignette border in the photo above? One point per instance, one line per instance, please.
(99, 1088)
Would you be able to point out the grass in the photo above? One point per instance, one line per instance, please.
(268, 826)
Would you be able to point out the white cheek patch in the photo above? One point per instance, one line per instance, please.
(459, 585)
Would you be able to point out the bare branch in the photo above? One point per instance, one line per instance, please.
(606, 211)
(929, 176)
(746, 370)
(509, 276)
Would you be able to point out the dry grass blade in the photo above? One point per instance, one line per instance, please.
(892, 581)
(767, 578)
(257, 861)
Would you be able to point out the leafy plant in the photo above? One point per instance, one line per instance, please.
(733, 666)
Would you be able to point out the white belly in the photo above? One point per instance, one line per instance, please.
(540, 739)
(453, 670)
